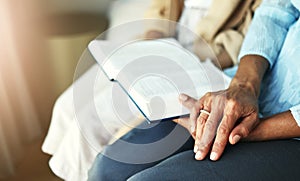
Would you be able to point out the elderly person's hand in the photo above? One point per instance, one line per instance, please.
(227, 115)
(219, 117)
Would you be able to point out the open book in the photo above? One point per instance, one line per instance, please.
(154, 72)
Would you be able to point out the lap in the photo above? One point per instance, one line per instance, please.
(273, 160)
(141, 148)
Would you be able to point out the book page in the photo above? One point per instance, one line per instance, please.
(157, 95)
(155, 72)
(128, 54)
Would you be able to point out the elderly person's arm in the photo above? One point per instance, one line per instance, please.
(279, 126)
(233, 112)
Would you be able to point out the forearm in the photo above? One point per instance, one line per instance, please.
(279, 126)
(250, 73)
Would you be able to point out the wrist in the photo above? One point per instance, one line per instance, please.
(251, 86)
(250, 73)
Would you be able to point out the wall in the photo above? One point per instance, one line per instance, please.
(32, 74)
(92, 6)
(71, 24)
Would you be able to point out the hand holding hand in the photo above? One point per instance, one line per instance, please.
(227, 115)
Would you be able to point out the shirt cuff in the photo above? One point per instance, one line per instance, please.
(296, 113)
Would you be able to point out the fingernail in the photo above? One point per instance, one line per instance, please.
(183, 97)
(198, 155)
(195, 149)
(213, 156)
(236, 138)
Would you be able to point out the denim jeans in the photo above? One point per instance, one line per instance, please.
(270, 160)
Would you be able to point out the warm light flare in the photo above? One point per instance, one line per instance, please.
(18, 115)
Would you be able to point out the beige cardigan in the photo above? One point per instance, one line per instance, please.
(223, 28)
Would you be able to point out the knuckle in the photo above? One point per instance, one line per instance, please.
(209, 125)
(201, 100)
(219, 101)
(201, 120)
(223, 130)
(208, 94)
(198, 137)
(203, 146)
(219, 97)
(220, 144)
(228, 114)
(244, 130)
(232, 103)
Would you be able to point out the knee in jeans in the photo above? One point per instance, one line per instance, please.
(107, 169)
(100, 169)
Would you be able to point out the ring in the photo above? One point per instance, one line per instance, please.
(204, 111)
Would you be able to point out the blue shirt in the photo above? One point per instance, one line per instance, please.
(275, 35)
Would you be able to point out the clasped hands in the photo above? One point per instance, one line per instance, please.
(218, 118)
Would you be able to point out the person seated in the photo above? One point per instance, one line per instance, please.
(209, 28)
(80, 129)
(261, 104)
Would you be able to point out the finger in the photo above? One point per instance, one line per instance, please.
(185, 122)
(201, 117)
(209, 131)
(194, 114)
(204, 106)
(226, 125)
(206, 99)
(200, 125)
(187, 101)
(202, 151)
(193, 106)
(205, 133)
(231, 115)
(243, 129)
(199, 148)
(204, 103)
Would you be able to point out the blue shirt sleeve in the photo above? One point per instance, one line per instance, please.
(268, 29)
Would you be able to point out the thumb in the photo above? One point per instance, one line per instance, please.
(187, 101)
(243, 129)
(186, 123)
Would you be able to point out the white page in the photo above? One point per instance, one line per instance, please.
(155, 72)
(144, 90)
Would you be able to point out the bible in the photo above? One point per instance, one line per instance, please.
(154, 72)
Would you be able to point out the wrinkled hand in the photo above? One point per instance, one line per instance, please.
(233, 114)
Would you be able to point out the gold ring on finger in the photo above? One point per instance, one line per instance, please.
(205, 112)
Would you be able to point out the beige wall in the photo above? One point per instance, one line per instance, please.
(94, 6)
(71, 24)
(38, 55)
